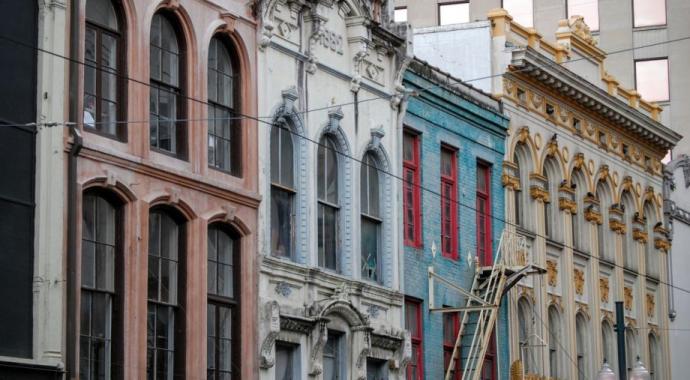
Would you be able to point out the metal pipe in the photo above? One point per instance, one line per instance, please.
(620, 333)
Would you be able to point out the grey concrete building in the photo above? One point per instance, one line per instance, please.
(617, 25)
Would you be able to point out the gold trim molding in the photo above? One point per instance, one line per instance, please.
(640, 236)
(593, 216)
(538, 193)
(579, 281)
(552, 272)
(510, 182)
(567, 204)
(628, 298)
(604, 290)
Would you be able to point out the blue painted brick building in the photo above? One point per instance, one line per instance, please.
(448, 122)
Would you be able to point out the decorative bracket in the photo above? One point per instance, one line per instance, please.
(272, 319)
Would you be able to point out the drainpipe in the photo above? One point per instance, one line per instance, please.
(72, 265)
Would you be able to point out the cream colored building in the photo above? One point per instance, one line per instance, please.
(330, 288)
(618, 26)
(583, 180)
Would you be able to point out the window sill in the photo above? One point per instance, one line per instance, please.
(649, 27)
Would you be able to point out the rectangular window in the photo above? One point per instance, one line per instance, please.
(484, 250)
(287, 362)
(453, 13)
(451, 328)
(333, 368)
(400, 14)
(521, 10)
(412, 216)
(649, 13)
(489, 367)
(449, 190)
(413, 324)
(651, 79)
(589, 9)
(377, 369)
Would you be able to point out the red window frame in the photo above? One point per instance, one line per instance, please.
(449, 345)
(416, 338)
(484, 249)
(490, 360)
(412, 168)
(449, 209)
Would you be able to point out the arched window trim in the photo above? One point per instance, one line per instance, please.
(112, 336)
(581, 241)
(654, 366)
(219, 304)
(523, 160)
(609, 350)
(221, 114)
(96, 66)
(526, 340)
(552, 214)
(176, 92)
(603, 230)
(174, 310)
(651, 254)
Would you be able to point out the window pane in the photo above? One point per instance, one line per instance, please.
(589, 9)
(370, 249)
(454, 13)
(101, 12)
(447, 162)
(651, 78)
(400, 15)
(285, 356)
(521, 10)
(282, 222)
(649, 12)
(409, 146)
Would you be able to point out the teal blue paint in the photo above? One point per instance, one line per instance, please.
(478, 132)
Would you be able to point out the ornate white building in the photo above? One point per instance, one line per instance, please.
(330, 300)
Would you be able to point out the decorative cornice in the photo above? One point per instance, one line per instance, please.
(297, 324)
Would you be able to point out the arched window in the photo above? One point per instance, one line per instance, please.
(609, 344)
(523, 209)
(223, 302)
(370, 200)
(630, 248)
(605, 239)
(224, 132)
(167, 133)
(651, 256)
(580, 232)
(283, 192)
(104, 53)
(528, 349)
(101, 298)
(553, 179)
(582, 342)
(555, 331)
(631, 352)
(328, 205)
(654, 365)
(517, 194)
(166, 294)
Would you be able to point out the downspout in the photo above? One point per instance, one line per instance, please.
(75, 148)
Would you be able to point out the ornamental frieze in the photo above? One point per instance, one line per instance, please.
(650, 304)
(628, 298)
(552, 273)
(604, 290)
(579, 281)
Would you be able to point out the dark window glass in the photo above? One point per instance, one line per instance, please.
(449, 190)
(165, 317)
(282, 192)
(287, 362)
(371, 220)
(103, 46)
(224, 137)
(451, 328)
(332, 357)
(222, 345)
(328, 207)
(166, 106)
(98, 292)
(484, 248)
(377, 369)
(411, 194)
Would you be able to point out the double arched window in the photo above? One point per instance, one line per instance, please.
(283, 192)
(103, 69)
(166, 294)
(328, 205)
(370, 200)
(224, 137)
(223, 302)
(167, 132)
(101, 288)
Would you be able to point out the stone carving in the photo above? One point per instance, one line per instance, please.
(319, 338)
(537, 101)
(628, 298)
(579, 160)
(604, 290)
(640, 236)
(283, 288)
(584, 309)
(363, 346)
(579, 280)
(528, 292)
(662, 244)
(230, 212)
(555, 300)
(539, 193)
(510, 181)
(334, 117)
(374, 310)
(650, 305)
(579, 28)
(272, 319)
(591, 215)
(552, 272)
(567, 204)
